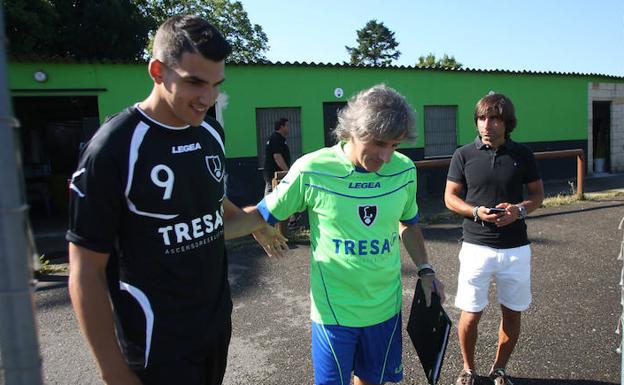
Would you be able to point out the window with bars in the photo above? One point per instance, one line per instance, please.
(440, 131)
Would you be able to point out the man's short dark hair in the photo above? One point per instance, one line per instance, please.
(497, 105)
(189, 33)
(279, 123)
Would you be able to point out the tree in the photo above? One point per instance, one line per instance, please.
(446, 62)
(31, 27)
(80, 29)
(376, 45)
(249, 42)
(427, 61)
(112, 29)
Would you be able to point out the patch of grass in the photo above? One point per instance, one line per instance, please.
(301, 235)
(559, 200)
(565, 199)
(605, 195)
(47, 268)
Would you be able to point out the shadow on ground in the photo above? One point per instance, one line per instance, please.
(542, 381)
(481, 380)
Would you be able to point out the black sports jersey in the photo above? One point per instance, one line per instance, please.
(151, 195)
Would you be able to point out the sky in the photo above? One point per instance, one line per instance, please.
(581, 36)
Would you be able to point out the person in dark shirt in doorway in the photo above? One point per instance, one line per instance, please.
(277, 158)
(277, 154)
(485, 184)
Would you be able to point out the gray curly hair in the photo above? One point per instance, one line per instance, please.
(379, 112)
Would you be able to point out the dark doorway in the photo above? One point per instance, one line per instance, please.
(52, 131)
(330, 119)
(601, 133)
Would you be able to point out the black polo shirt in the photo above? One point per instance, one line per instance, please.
(492, 176)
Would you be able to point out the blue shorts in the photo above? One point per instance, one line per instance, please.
(373, 353)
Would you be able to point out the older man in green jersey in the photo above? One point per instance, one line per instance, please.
(361, 200)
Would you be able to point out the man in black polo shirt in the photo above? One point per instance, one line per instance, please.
(485, 185)
(277, 154)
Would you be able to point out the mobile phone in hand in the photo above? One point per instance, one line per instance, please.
(495, 210)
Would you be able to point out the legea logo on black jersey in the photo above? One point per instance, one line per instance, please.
(215, 168)
(185, 148)
(368, 214)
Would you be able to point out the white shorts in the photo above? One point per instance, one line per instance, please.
(510, 267)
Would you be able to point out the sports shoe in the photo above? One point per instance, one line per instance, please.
(467, 377)
(500, 377)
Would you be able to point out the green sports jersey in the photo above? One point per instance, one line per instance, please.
(355, 267)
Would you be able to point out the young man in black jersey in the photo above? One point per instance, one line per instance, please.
(148, 221)
(485, 184)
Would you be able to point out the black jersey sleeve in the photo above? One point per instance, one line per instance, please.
(217, 126)
(96, 196)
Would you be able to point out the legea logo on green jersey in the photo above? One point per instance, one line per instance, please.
(364, 184)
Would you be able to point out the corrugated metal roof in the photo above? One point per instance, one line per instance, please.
(431, 68)
(61, 59)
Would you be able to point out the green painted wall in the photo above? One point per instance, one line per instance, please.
(123, 84)
(549, 107)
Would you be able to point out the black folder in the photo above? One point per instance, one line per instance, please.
(429, 329)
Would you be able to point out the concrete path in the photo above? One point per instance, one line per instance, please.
(568, 333)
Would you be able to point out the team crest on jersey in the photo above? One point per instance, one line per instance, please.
(214, 167)
(368, 214)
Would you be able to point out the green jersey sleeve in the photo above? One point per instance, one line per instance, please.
(289, 195)
(410, 213)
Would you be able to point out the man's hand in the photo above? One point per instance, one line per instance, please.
(271, 240)
(511, 214)
(429, 285)
(486, 216)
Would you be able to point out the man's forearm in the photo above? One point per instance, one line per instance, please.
(414, 243)
(458, 205)
(535, 196)
(243, 224)
(240, 222)
(89, 295)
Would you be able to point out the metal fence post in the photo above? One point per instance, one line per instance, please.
(21, 362)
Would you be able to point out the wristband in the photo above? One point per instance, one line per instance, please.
(475, 213)
(522, 211)
(425, 269)
(421, 266)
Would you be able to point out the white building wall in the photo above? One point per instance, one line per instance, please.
(613, 92)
